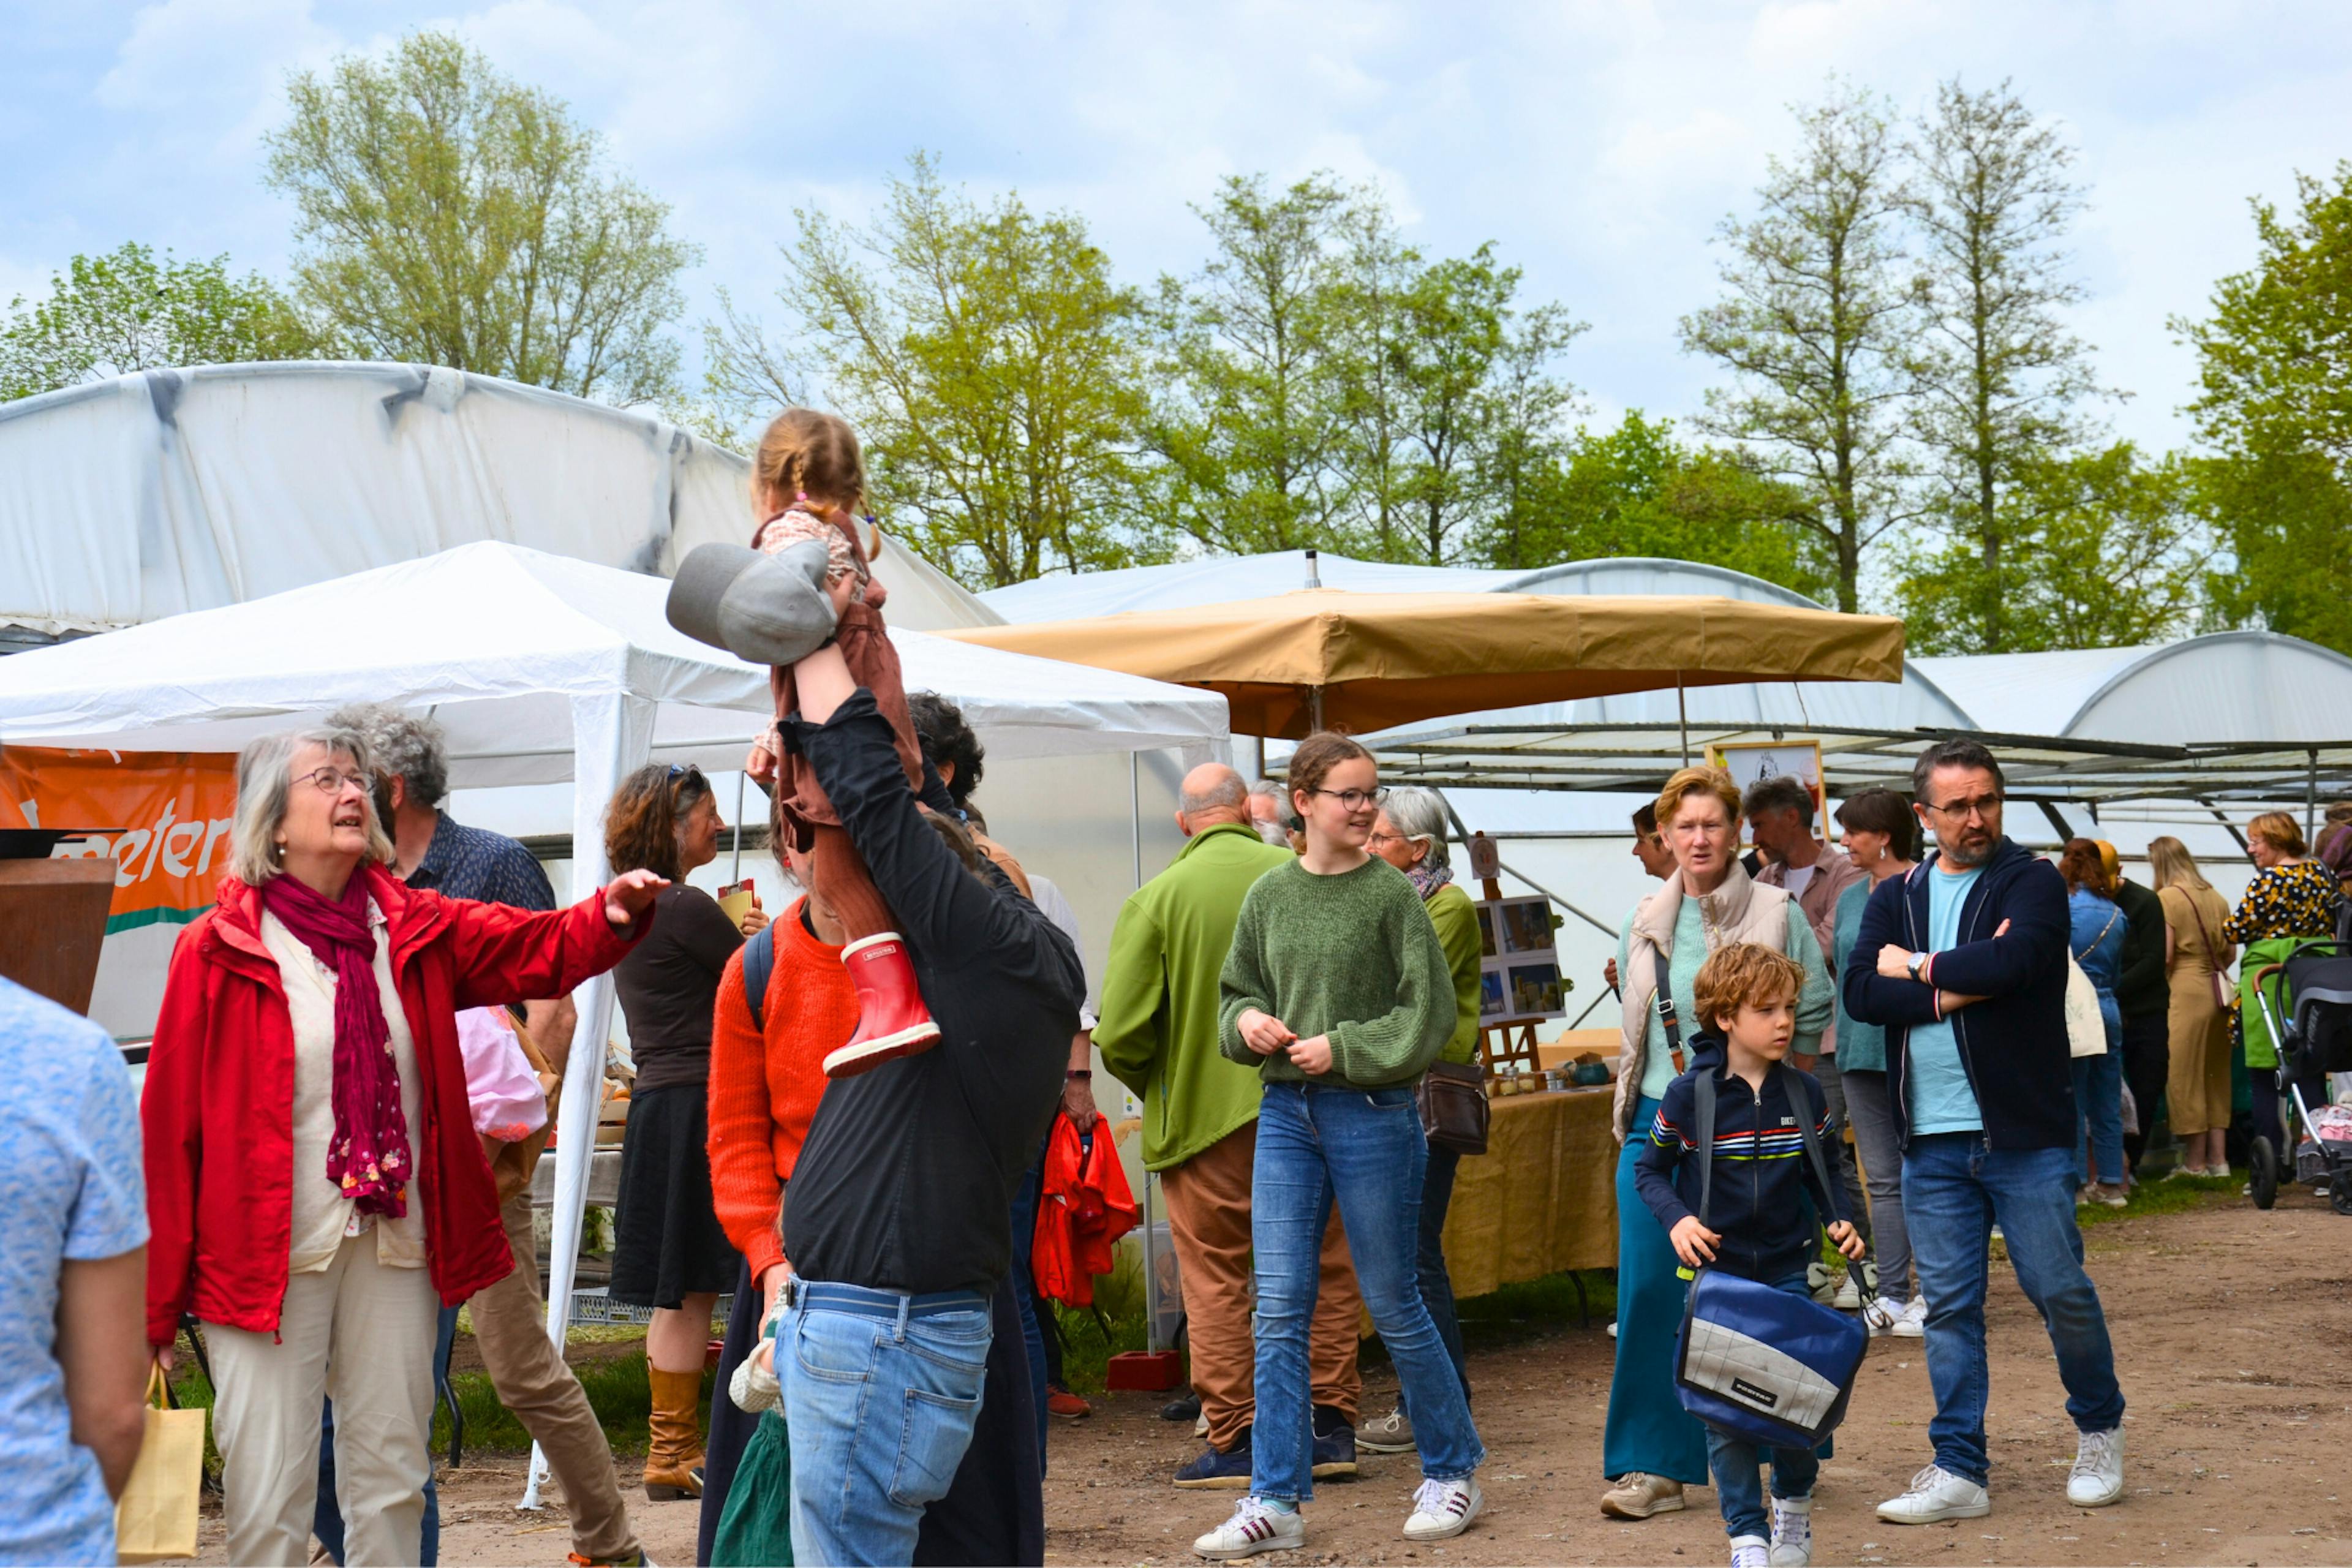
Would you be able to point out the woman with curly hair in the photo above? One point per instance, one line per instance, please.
(669, 1252)
(2291, 899)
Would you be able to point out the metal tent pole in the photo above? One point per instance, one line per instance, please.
(735, 872)
(1682, 716)
(2311, 801)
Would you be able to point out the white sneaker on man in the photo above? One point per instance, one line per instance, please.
(1881, 1316)
(1913, 1324)
(1256, 1526)
(1441, 1509)
(1792, 1533)
(1935, 1494)
(2097, 1478)
(1750, 1551)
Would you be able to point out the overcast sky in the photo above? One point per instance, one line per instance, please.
(1598, 144)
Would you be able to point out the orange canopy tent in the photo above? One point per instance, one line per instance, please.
(1295, 662)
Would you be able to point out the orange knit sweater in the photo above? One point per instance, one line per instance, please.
(764, 1093)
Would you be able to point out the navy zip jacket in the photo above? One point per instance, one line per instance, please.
(1755, 1203)
(2012, 1044)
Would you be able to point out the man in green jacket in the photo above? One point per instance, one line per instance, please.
(1158, 1035)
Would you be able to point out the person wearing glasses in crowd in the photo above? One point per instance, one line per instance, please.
(314, 1185)
(1651, 1447)
(1963, 961)
(669, 1252)
(1336, 990)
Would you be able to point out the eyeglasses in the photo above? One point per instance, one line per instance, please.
(1982, 807)
(1354, 799)
(331, 780)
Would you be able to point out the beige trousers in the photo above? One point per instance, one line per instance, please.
(531, 1380)
(1209, 1220)
(361, 1334)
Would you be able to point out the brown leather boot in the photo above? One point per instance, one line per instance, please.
(674, 1458)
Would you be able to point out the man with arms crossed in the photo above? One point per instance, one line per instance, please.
(1964, 960)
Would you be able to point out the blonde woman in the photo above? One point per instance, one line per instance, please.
(2196, 955)
(2291, 899)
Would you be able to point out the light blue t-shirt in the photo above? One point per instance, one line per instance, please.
(1936, 1086)
(1815, 1002)
(69, 1188)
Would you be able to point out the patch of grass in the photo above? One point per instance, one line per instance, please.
(2164, 1195)
(1090, 1337)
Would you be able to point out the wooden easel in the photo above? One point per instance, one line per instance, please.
(1508, 1040)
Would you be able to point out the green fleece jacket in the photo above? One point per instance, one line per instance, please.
(1456, 920)
(1158, 1029)
(1353, 956)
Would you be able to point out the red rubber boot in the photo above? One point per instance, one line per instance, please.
(893, 1021)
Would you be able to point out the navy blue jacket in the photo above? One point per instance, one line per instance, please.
(2012, 1044)
(1760, 1171)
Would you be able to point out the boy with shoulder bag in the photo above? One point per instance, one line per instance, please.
(1727, 1164)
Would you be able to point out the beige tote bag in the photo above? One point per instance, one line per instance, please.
(156, 1518)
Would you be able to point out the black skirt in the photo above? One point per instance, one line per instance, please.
(667, 1244)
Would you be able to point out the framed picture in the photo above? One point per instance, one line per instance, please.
(1753, 762)
(1534, 989)
(1525, 925)
(1494, 998)
(1486, 929)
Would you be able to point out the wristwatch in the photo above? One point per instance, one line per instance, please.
(1081, 1075)
(1919, 961)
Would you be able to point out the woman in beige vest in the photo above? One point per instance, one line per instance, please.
(1652, 1447)
(2196, 1090)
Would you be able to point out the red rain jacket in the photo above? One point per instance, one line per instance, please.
(1084, 1208)
(218, 1108)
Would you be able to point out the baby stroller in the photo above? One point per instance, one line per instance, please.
(2314, 1039)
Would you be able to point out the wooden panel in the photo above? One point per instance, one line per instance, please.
(52, 924)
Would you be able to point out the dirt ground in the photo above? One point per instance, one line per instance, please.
(2230, 1328)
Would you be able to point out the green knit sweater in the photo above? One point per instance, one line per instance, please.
(1353, 956)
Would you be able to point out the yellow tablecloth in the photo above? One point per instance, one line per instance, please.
(1542, 1199)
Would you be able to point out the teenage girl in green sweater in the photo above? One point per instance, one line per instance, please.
(1337, 990)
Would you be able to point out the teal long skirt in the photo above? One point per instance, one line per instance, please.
(1648, 1428)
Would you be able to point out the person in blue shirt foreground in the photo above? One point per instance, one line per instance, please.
(1963, 959)
(1761, 1229)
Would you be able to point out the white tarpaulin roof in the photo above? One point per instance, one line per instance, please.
(498, 641)
(2228, 688)
(151, 495)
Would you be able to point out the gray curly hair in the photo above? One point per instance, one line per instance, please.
(404, 746)
(1419, 813)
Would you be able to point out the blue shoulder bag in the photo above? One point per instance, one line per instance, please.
(1766, 1366)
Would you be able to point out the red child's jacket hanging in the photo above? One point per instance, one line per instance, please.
(1084, 1208)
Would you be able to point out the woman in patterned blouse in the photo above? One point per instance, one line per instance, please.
(2290, 897)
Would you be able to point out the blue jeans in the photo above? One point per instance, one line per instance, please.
(1954, 1189)
(1026, 1199)
(2099, 1115)
(1737, 1464)
(881, 1393)
(1436, 1284)
(326, 1513)
(1362, 1149)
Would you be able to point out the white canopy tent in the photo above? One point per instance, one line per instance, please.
(541, 669)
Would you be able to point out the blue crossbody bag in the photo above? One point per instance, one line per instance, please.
(1768, 1367)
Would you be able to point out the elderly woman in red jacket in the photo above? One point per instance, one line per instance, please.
(314, 1185)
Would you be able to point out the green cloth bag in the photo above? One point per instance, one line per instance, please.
(755, 1528)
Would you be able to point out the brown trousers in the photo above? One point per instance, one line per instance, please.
(534, 1381)
(1209, 1218)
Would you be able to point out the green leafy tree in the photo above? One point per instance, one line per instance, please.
(1999, 378)
(990, 364)
(1252, 424)
(451, 216)
(129, 310)
(2109, 550)
(2276, 410)
(1639, 491)
(1814, 324)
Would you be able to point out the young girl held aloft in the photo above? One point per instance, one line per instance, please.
(808, 478)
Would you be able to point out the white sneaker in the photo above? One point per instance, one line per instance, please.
(1913, 1324)
(1792, 1533)
(1821, 1282)
(1441, 1509)
(1750, 1551)
(1848, 1294)
(1935, 1494)
(1255, 1527)
(2097, 1478)
(1881, 1316)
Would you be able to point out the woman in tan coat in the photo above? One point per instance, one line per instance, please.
(2197, 1092)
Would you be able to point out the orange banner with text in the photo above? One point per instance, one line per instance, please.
(163, 816)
